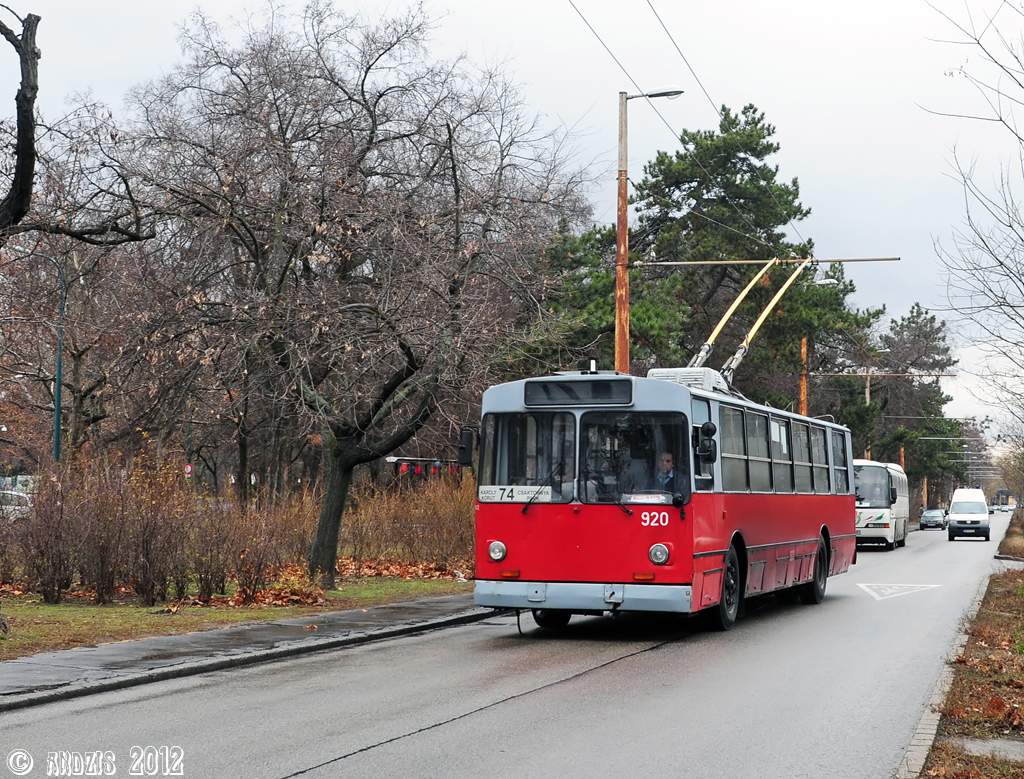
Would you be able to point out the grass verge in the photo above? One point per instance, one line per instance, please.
(37, 627)
(986, 699)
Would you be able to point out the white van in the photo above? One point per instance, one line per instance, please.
(968, 514)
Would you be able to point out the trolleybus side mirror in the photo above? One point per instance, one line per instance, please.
(707, 450)
(466, 446)
(892, 496)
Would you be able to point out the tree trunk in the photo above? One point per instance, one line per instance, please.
(323, 557)
(243, 462)
(16, 203)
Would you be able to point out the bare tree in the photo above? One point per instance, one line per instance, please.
(985, 262)
(345, 228)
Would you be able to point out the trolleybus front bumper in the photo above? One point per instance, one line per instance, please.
(583, 597)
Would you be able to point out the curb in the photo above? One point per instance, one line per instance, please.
(26, 700)
(924, 736)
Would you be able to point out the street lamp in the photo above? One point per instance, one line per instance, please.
(622, 235)
(60, 351)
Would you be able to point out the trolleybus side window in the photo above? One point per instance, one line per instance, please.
(819, 459)
(802, 457)
(782, 458)
(623, 453)
(841, 463)
(734, 450)
(536, 448)
(758, 454)
(703, 471)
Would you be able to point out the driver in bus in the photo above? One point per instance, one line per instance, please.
(665, 479)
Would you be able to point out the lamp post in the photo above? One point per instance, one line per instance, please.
(622, 235)
(60, 352)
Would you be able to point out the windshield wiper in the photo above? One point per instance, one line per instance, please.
(617, 499)
(547, 482)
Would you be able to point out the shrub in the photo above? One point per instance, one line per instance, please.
(102, 505)
(432, 522)
(256, 538)
(210, 546)
(158, 522)
(48, 537)
(135, 523)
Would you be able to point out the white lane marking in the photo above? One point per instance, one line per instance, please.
(883, 591)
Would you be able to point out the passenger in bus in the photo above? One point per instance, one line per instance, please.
(665, 479)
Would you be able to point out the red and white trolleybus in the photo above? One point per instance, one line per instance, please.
(603, 492)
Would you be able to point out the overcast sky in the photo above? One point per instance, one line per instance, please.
(853, 89)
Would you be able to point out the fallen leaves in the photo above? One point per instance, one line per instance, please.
(349, 567)
(987, 695)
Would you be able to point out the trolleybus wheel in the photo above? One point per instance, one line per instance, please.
(814, 590)
(724, 614)
(552, 619)
(903, 540)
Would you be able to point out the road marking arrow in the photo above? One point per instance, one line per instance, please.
(883, 591)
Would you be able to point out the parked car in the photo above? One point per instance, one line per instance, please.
(933, 518)
(14, 505)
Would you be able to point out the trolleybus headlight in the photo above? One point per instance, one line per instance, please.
(658, 554)
(497, 551)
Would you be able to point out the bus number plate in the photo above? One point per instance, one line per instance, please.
(654, 518)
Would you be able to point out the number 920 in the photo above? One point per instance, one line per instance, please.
(654, 518)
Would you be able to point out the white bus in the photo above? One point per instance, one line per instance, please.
(883, 503)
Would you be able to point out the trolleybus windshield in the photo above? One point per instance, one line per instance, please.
(527, 457)
(624, 456)
(631, 456)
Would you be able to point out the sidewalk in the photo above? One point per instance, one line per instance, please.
(37, 679)
(44, 678)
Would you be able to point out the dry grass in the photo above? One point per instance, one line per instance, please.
(948, 761)
(1013, 544)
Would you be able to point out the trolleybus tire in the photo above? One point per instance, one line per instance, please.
(903, 540)
(551, 619)
(728, 608)
(814, 591)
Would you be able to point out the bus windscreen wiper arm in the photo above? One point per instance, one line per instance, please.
(546, 483)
